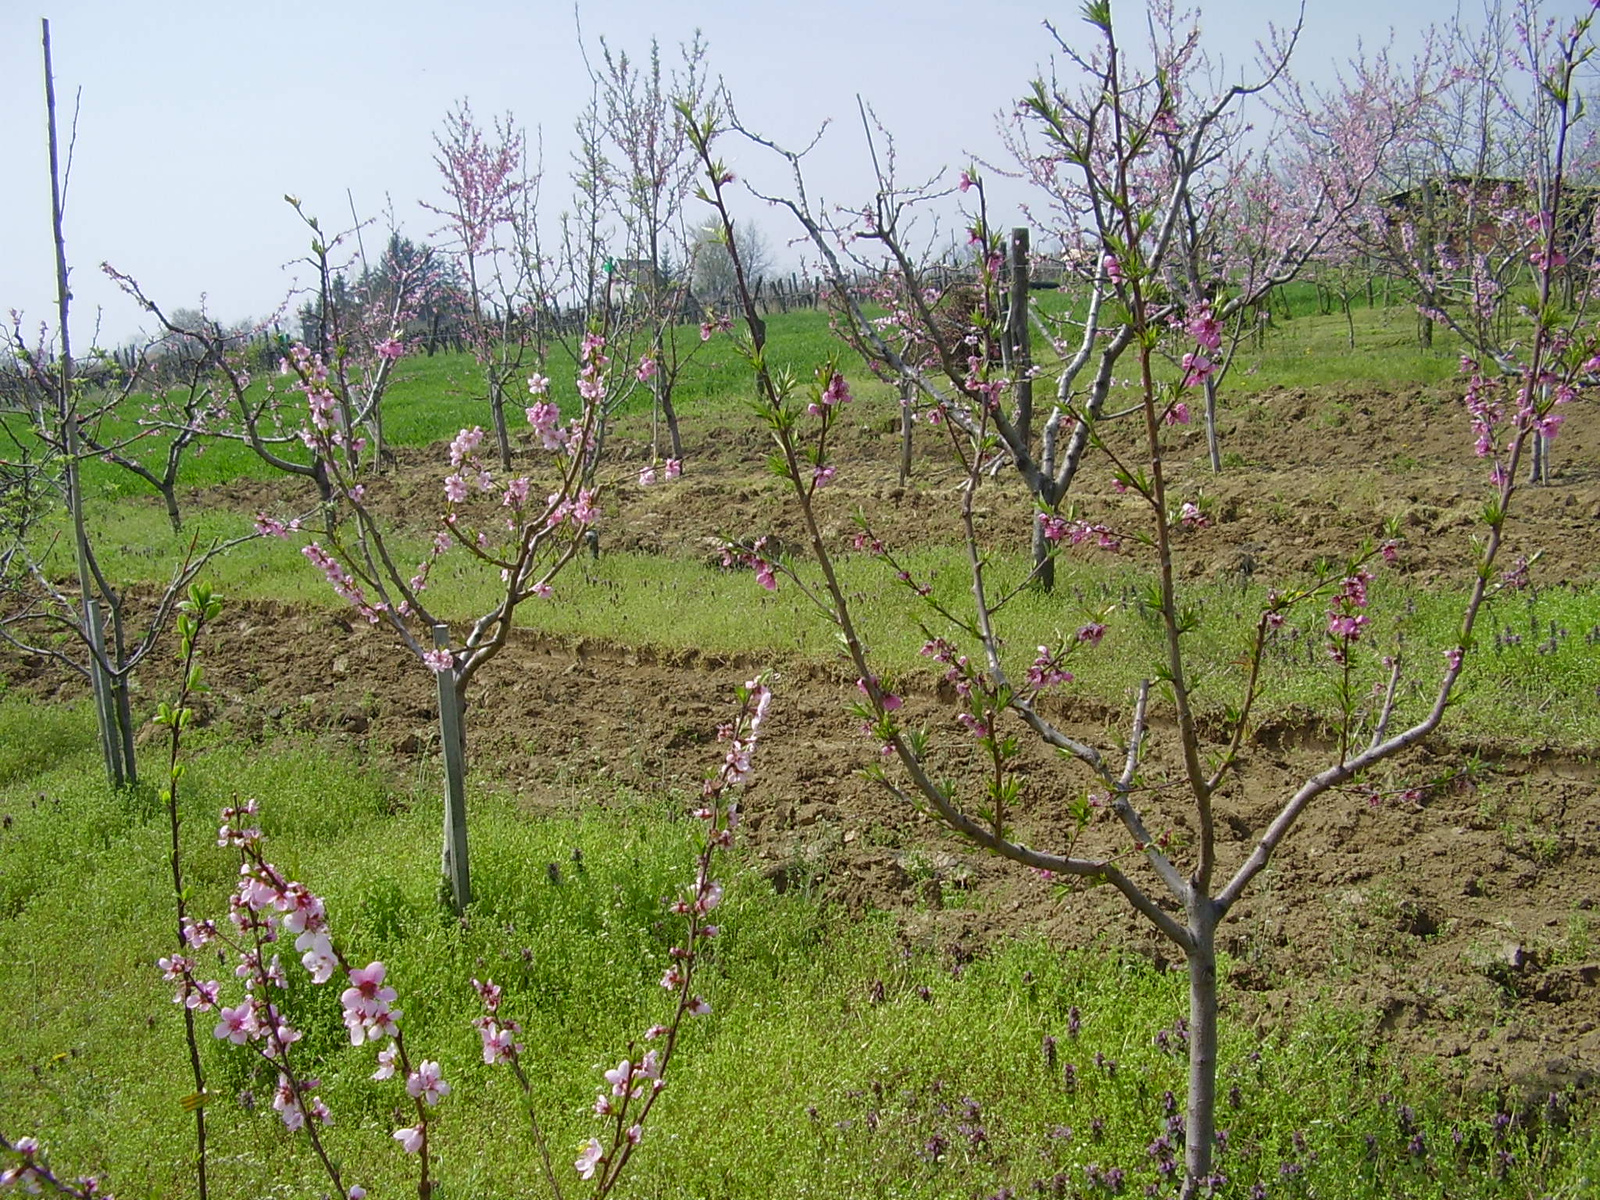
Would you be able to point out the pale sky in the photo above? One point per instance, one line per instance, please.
(196, 118)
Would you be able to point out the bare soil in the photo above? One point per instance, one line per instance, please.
(1461, 924)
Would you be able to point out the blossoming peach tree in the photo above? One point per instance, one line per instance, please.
(1184, 890)
(523, 530)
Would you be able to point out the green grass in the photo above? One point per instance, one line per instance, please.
(825, 1069)
(431, 398)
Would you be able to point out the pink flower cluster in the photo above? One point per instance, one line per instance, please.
(499, 1034)
(1077, 532)
(959, 674)
(545, 418)
(721, 324)
(833, 393)
(1346, 621)
(670, 470)
(312, 382)
(891, 702)
(967, 684)
(265, 907)
(341, 580)
(754, 558)
(592, 374)
(1047, 670)
(1206, 330)
(271, 527)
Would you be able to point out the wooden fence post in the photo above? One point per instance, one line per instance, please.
(455, 782)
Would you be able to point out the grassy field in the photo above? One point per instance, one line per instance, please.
(831, 1066)
(843, 1058)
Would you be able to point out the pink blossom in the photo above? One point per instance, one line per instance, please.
(673, 468)
(498, 1044)
(1206, 329)
(822, 476)
(965, 182)
(1091, 633)
(765, 576)
(710, 897)
(388, 1060)
(545, 419)
(647, 368)
(1112, 268)
(238, 1024)
(620, 1077)
(1346, 625)
(647, 477)
(268, 527)
(411, 1138)
(1047, 671)
(1196, 369)
(591, 1156)
(538, 385)
(288, 1107)
(837, 391)
(1178, 414)
(698, 1006)
(391, 349)
(465, 444)
(455, 489)
(425, 1083)
(1191, 516)
(438, 660)
(318, 956)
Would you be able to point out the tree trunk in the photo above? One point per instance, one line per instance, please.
(169, 493)
(1200, 1120)
(1044, 566)
(1019, 340)
(68, 415)
(497, 410)
(672, 426)
(906, 415)
(457, 883)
